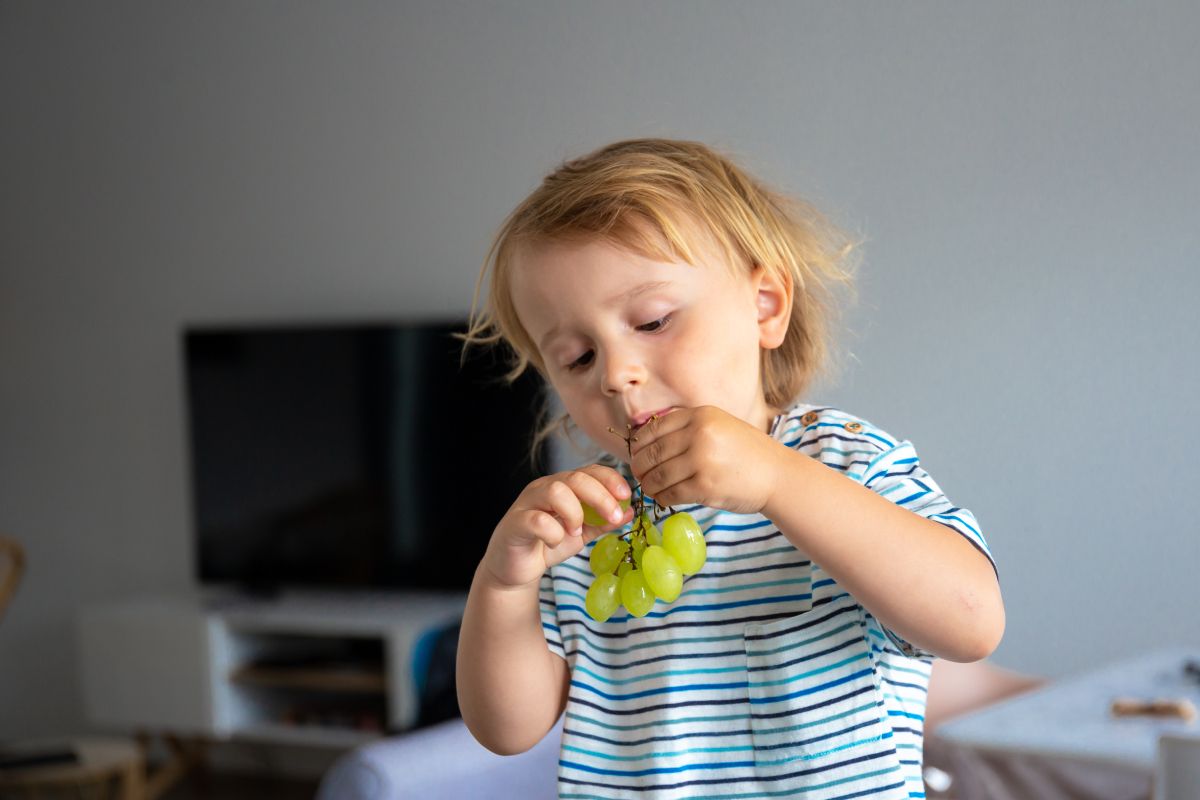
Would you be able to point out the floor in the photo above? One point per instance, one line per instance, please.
(229, 786)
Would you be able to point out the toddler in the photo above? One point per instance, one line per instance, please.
(661, 290)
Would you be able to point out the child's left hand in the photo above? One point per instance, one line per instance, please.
(706, 456)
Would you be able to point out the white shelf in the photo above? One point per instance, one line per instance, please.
(184, 665)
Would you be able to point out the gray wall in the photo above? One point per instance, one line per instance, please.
(1025, 176)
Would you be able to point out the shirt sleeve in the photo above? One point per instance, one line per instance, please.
(897, 474)
(548, 607)
(892, 469)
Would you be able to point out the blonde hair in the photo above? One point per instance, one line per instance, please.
(650, 196)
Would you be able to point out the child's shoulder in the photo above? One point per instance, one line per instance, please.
(832, 435)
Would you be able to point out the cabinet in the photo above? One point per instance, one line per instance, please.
(324, 670)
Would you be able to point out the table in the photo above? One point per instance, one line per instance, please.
(1062, 740)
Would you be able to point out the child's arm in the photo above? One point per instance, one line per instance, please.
(511, 687)
(921, 579)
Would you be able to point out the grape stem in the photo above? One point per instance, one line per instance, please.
(638, 502)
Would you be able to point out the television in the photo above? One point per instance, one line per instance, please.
(354, 456)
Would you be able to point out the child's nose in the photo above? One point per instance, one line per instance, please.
(622, 369)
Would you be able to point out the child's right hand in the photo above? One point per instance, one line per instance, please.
(545, 525)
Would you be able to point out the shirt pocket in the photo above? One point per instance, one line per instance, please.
(815, 706)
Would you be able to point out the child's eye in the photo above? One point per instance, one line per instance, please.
(582, 361)
(655, 326)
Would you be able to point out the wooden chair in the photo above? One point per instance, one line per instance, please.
(12, 566)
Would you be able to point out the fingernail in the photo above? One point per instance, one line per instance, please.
(616, 515)
(578, 531)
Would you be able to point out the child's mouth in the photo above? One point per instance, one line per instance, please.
(641, 419)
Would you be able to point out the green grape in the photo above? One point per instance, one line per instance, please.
(607, 553)
(603, 598)
(646, 525)
(684, 540)
(594, 518)
(635, 594)
(663, 575)
(624, 568)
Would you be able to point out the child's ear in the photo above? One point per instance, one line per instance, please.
(774, 304)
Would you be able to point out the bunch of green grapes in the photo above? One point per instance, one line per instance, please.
(644, 565)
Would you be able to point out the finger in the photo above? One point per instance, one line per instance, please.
(568, 547)
(591, 532)
(670, 446)
(613, 481)
(681, 492)
(559, 498)
(658, 427)
(662, 477)
(602, 488)
(543, 526)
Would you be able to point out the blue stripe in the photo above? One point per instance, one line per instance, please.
(722, 766)
(713, 575)
(787, 598)
(742, 542)
(911, 497)
(772, 552)
(692, 687)
(812, 690)
(961, 521)
(643, 662)
(748, 526)
(657, 771)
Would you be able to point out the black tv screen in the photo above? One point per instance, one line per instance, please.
(351, 456)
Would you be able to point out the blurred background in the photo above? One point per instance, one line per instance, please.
(1024, 177)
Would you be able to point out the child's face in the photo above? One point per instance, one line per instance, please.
(622, 336)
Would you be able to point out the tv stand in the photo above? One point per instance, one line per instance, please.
(315, 668)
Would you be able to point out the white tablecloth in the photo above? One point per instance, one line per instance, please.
(1061, 741)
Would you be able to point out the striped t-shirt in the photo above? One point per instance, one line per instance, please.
(764, 678)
